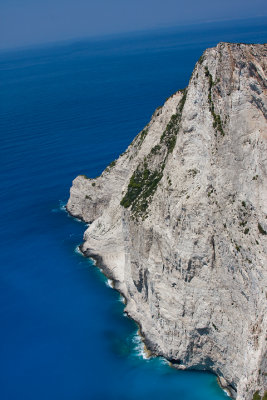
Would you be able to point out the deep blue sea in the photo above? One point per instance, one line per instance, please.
(70, 109)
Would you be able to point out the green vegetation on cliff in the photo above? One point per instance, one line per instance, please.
(217, 123)
(257, 396)
(144, 181)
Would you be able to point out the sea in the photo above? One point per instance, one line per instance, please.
(66, 109)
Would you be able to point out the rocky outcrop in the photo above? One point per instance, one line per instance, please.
(179, 221)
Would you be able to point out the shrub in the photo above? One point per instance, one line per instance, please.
(201, 59)
(155, 149)
(142, 185)
(112, 164)
(193, 172)
(256, 396)
(261, 230)
(142, 136)
(217, 123)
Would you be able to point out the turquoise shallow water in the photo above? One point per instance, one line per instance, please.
(65, 110)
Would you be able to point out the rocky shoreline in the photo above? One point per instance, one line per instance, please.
(149, 348)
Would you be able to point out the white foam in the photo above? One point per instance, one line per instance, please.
(139, 347)
(62, 205)
(77, 219)
(109, 283)
(78, 251)
(226, 391)
(164, 361)
(122, 300)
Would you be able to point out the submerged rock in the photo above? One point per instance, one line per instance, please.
(179, 221)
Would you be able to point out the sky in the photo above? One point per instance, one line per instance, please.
(27, 22)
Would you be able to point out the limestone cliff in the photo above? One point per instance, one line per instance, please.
(179, 221)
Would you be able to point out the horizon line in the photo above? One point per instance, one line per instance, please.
(114, 35)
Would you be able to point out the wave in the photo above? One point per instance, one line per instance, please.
(60, 208)
(122, 300)
(78, 251)
(109, 283)
(139, 347)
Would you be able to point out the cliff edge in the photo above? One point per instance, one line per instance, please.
(179, 222)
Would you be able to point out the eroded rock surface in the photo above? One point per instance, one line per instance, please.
(180, 221)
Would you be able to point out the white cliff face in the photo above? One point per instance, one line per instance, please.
(180, 221)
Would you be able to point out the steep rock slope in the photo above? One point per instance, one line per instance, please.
(179, 221)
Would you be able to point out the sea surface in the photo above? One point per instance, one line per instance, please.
(69, 109)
